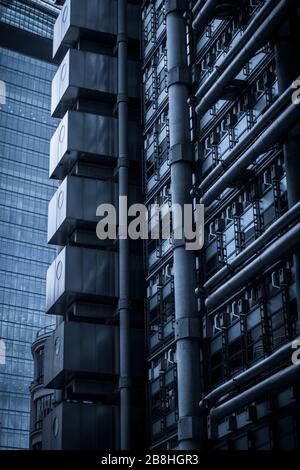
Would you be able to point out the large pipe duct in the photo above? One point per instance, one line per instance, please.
(197, 6)
(256, 41)
(282, 379)
(266, 119)
(240, 45)
(272, 135)
(187, 329)
(205, 13)
(123, 163)
(287, 62)
(238, 382)
(274, 252)
(277, 228)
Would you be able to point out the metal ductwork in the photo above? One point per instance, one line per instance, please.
(265, 120)
(280, 380)
(91, 357)
(272, 135)
(72, 207)
(244, 378)
(187, 321)
(87, 75)
(205, 13)
(239, 46)
(124, 273)
(277, 228)
(254, 42)
(92, 427)
(206, 10)
(281, 247)
(96, 359)
(78, 138)
(100, 19)
(86, 273)
(88, 427)
(286, 56)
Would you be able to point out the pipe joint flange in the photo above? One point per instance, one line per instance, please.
(176, 6)
(125, 382)
(124, 304)
(181, 153)
(122, 37)
(122, 98)
(123, 161)
(180, 75)
(188, 328)
(190, 427)
(178, 243)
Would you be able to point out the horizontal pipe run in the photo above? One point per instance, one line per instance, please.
(230, 56)
(285, 244)
(280, 380)
(291, 216)
(271, 136)
(262, 124)
(245, 377)
(257, 40)
(205, 14)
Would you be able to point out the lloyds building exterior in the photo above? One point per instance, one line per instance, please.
(158, 347)
(26, 71)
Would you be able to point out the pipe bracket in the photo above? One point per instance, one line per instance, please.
(180, 75)
(125, 382)
(123, 161)
(188, 328)
(190, 427)
(122, 98)
(122, 37)
(176, 5)
(181, 153)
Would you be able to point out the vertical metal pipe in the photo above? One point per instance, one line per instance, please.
(124, 296)
(187, 332)
(287, 65)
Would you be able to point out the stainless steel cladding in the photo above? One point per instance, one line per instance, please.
(79, 273)
(88, 426)
(74, 205)
(98, 139)
(88, 137)
(88, 75)
(67, 356)
(97, 21)
(75, 202)
(73, 426)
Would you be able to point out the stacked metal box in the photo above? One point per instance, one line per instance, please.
(42, 399)
(220, 129)
(82, 356)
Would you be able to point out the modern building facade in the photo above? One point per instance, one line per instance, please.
(219, 128)
(95, 358)
(228, 70)
(26, 126)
